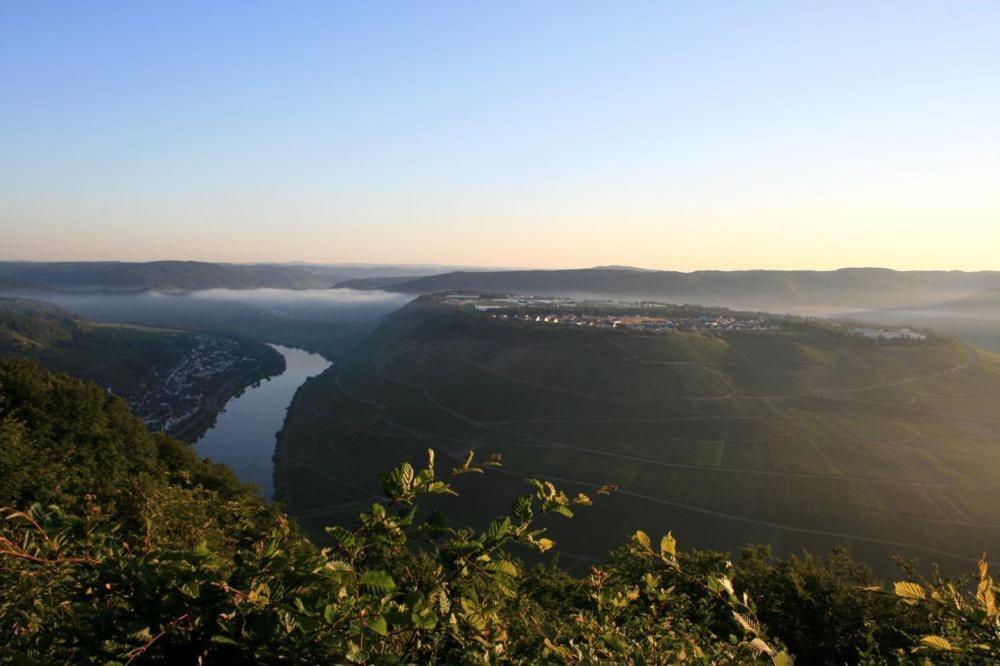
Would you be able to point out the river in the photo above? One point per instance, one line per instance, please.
(244, 434)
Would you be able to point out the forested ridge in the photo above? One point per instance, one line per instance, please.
(159, 275)
(122, 546)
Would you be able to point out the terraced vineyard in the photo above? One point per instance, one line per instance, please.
(806, 438)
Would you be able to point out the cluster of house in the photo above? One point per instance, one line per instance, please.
(174, 396)
(888, 334)
(486, 303)
(641, 317)
(706, 323)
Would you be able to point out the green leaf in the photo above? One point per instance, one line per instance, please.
(782, 659)
(406, 476)
(330, 613)
(497, 530)
(378, 625)
(425, 620)
(522, 509)
(563, 510)
(761, 647)
(642, 539)
(440, 488)
(504, 567)
(378, 580)
(668, 546)
(939, 643)
(223, 640)
(909, 590)
(354, 653)
(614, 642)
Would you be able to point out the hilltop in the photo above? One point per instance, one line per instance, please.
(179, 276)
(850, 288)
(158, 275)
(796, 433)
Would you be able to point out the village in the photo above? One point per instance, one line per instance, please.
(176, 396)
(641, 317)
(651, 317)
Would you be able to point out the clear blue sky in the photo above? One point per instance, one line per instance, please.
(665, 134)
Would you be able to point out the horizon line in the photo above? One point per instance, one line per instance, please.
(482, 268)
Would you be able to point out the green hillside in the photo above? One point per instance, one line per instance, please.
(132, 361)
(801, 438)
(121, 546)
(851, 288)
(27, 325)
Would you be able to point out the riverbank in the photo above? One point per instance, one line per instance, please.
(248, 429)
(278, 459)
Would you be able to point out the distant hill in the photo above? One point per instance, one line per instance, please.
(850, 288)
(30, 325)
(158, 275)
(984, 303)
(800, 438)
(974, 317)
(381, 282)
(7, 284)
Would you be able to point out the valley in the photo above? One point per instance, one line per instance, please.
(174, 380)
(723, 425)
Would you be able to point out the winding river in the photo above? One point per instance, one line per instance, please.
(244, 434)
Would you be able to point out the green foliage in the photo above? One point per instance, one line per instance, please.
(961, 624)
(825, 606)
(155, 556)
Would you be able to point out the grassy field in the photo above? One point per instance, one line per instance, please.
(803, 440)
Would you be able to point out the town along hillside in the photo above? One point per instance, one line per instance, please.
(796, 433)
(174, 380)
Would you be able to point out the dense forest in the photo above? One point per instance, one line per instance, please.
(121, 546)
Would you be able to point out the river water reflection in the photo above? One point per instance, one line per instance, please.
(244, 435)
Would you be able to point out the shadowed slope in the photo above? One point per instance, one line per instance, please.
(808, 438)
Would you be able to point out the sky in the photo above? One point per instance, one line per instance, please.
(675, 135)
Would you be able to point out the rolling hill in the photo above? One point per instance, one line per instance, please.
(850, 288)
(983, 304)
(803, 437)
(27, 325)
(158, 275)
